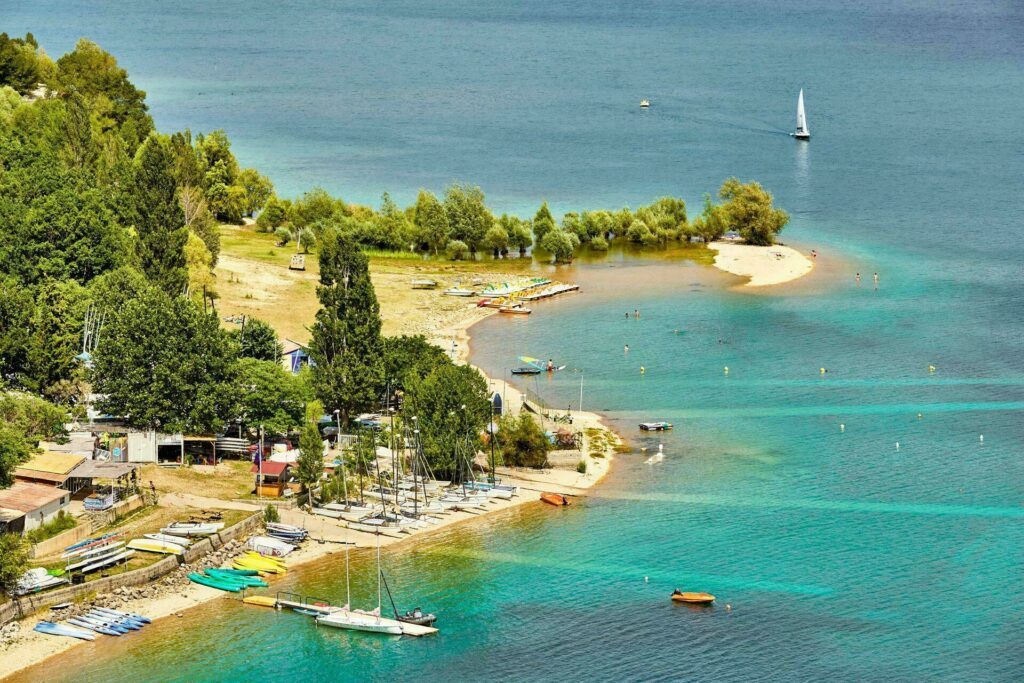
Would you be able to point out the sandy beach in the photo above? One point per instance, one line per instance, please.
(764, 266)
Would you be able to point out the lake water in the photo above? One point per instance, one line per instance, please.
(841, 556)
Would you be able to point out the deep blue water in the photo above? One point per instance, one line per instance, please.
(842, 558)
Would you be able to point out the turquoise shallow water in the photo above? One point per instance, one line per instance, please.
(842, 557)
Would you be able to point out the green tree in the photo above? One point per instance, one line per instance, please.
(392, 230)
(257, 339)
(452, 406)
(274, 214)
(496, 240)
(118, 105)
(543, 223)
(19, 64)
(457, 250)
(268, 396)
(164, 364)
(431, 222)
(316, 206)
(24, 420)
(14, 551)
(558, 243)
(56, 339)
(346, 344)
(520, 237)
(258, 189)
(160, 222)
(640, 233)
(522, 442)
(750, 211)
(309, 468)
(199, 220)
(712, 223)
(467, 214)
(408, 357)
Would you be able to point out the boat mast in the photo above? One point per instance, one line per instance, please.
(348, 585)
(378, 576)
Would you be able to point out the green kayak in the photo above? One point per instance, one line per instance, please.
(215, 582)
(247, 581)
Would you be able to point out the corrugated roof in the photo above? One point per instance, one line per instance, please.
(98, 469)
(271, 468)
(34, 475)
(53, 462)
(28, 497)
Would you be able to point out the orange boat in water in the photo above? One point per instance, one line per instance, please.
(555, 499)
(693, 598)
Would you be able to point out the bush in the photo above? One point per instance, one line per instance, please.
(581, 466)
(271, 515)
(457, 250)
(62, 522)
(284, 236)
(13, 561)
(523, 443)
(599, 244)
(559, 244)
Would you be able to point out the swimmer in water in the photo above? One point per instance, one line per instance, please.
(636, 313)
(858, 279)
(642, 369)
(876, 280)
(626, 348)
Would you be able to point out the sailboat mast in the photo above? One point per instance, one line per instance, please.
(378, 575)
(348, 585)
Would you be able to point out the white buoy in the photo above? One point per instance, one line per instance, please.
(981, 438)
(842, 427)
(645, 579)
(660, 448)
(897, 445)
(726, 369)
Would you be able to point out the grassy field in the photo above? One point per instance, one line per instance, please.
(228, 480)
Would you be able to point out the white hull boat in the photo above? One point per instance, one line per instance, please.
(178, 540)
(356, 621)
(192, 529)
(265, 545)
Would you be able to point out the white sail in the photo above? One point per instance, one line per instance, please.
(801, 117)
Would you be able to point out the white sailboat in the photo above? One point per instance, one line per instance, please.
(802, 131)
(370, 622)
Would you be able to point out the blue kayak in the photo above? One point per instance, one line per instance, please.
(50, 628)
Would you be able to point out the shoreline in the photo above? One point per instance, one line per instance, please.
(326, 537)
(763, 266)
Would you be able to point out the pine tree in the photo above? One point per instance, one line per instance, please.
(346, 345)
(159, 220)
(309, 468)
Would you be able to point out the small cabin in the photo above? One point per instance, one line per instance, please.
(271, 478)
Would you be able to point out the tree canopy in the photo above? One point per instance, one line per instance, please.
(750, 211)
(346, 344)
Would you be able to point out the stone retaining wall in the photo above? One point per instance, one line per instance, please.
(23, 606)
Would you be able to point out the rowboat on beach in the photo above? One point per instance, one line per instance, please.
(424, 283)
(192, 528)
(556, 499)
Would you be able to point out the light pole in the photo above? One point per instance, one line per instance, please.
(341, 459)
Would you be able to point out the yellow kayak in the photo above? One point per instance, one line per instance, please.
(253, 563)
(261, 600)
(268, 558)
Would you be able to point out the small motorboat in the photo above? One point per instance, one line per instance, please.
(417, 616)
(556, 499)
(192, 529)
(693, 598)
(526, 370)
(655, 426)
(645, 104)
(458, 291)
(515, 310)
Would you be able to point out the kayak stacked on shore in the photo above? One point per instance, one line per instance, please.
(287, 532)
(93, 554)
(36, 580)
(259, 563)
(100, 620)
(232, 580)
